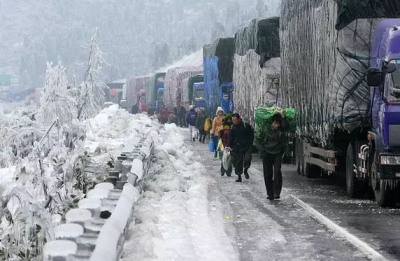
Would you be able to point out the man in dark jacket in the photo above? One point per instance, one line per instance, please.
(201, 119)
(191, 118)
(240, 141)
(181, 116)
(272, 148)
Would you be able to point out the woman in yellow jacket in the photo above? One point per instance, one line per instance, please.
(217, 126)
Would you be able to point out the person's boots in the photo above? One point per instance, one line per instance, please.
(239, 179)
(246, 174)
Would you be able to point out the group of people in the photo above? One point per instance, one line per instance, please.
(231, 134)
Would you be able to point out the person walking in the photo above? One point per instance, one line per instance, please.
(216, 126)
(241, 139)
(200, 121)
(272, 149)
(224, 139)
(181, 115)
(191, 118)
(164, 115)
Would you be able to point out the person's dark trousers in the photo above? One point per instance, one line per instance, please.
(238, 158)
(215, 139)
(181, 121)
(247, 159)
(272, 174)
(202, 136)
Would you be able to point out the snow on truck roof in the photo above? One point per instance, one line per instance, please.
(192, 60)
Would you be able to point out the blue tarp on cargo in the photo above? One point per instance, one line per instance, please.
(218, 72)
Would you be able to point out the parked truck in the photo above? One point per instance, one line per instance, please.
(340, 72)
(257, 65)
(155, 91)
(193, 91)
(218, 73)
(136, 91)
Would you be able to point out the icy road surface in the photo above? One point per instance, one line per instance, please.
(189, 212)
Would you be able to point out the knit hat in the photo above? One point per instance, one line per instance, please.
(219, 109)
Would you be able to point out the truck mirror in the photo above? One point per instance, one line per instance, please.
(374, 77)
(390, 68)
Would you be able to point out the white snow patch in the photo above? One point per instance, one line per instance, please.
(59, 248)
(78, 215)
(68, 231)
(104, 185)
(137, 168)
(98, 193)
(173, 217)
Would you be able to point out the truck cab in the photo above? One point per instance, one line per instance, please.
(381, 155)
(198, 95)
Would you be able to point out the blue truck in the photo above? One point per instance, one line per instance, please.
(218, 74)
(155, 91)
(345, 87)
(198, 99)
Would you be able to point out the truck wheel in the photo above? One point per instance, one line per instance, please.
(309, 170)
(384, 195)
(351, 177)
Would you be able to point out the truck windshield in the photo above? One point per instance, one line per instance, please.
(199, 94)
(393, 85)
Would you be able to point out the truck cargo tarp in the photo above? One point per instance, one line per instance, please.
(350, 10)
(254, 86)
(261, 36)
(223, 48)
(324, 80)
(133, 87)
(173, 84)
(218, 71)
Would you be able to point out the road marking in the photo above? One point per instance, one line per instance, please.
(361, 245)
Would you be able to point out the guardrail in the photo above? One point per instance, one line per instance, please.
(96, 229)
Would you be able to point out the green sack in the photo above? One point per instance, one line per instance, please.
(262, 118)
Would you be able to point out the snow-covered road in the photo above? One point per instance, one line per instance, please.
(189, 212)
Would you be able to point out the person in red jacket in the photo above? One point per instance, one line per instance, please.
(164, 115)
(224, 137)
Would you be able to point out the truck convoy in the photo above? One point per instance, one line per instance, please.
(340, 72)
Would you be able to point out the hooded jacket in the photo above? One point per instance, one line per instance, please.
(191, 117)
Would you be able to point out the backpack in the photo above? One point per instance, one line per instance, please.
(207, 125)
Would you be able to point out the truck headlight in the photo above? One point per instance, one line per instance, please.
(390, 160)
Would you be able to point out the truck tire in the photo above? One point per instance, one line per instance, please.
(309, 170)
(352, 186)
(384, 195)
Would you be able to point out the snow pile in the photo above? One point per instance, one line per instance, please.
(110, 130)
(50, 175)
(172, 217)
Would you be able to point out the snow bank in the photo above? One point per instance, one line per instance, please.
(172, 218)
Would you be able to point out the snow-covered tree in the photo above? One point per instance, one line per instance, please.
(57, 103)
(91, 97)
